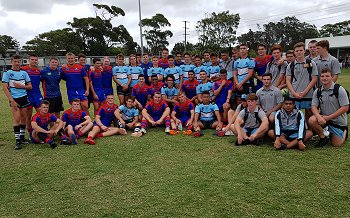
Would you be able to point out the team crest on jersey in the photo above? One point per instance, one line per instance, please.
(12, 75)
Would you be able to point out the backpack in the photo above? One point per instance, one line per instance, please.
(309, 69)
(257, 118)
(270, 64)
(335, 93)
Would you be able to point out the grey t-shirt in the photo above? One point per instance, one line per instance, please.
(330, 103)
(329, 62)
(251, 121)
(301, 77)
(276, 70)
(269, 98)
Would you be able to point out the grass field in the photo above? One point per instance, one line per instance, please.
(171, 176)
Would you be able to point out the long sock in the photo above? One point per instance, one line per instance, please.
(17, 130)
(167, 121)
(48, 140)
(29, 129)
(143, 123)
(22, 132)
(79, 133)
(137, 129)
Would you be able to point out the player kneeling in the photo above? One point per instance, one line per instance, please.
(205, 116)
(182, 115)
(40, 123)
(128, 116)
(156, 113)
(76, 122)
(251, 123)
(290, 127)
(103, 120)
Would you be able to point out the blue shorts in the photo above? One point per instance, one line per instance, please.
(101, 95)
(336, 131)
(184, 120)
(108, 91)
(290, 134)
(80, 94)
(207, 123)
(303, 104)
(35, 99)
(250, 131)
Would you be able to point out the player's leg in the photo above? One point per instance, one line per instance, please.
(28, 116)
(96, 106)
(16, 126)
(92, 134)
(114, 131)
(173, 124)
(338, 136)
(197, 128)
(85, 106)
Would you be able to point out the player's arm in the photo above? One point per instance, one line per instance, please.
(93, 91)
(115, 79)
(146, 115)
(5, 88)
(191, 120)
(37, 128)
(129, 80)
(173, 115)
(86, 80)
(238, 126)
(59, 124)
(290, 86)
(165, 113)
(250, 74)
(98, 121)
(310, 85)
(86, 121)
(218, 117)
(264, 125)
(217, 89)
(235, 77)
(26, 86)
(119, 117)
(276, 108)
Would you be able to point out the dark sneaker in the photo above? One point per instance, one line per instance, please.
(65, 141)
(24, 142)
(256, 142)
(18, 145)
(323, 141)
(53, 145)
(74, 139)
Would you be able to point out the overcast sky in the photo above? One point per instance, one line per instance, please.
(25, 19)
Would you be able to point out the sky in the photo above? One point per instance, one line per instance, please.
(23, 19)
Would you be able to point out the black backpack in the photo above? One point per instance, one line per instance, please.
(257, 118)
(335, 93)
(309, 69)
(270, 64)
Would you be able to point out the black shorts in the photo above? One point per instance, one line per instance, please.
(56, 104)
(120, 91)
(247, 89)
(207, 124)
(126, 122)
(22, 102)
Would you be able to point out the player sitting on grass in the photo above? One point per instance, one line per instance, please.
(169, 92)
(182, 114)
(103, 120)
(232, 115)
(251, 123)
(205, 114)
(40, 123)
(128, 116)
(289, 127)
(156, 113)
(76, 121)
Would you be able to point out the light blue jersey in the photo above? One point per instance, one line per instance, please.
(197, 70)
(170, 93)
(135, 72)
(206, 112)
(204, 87)
(122, 73)
(155, 71)
(175, 71)
(185, 68)
(242, 66)
(10, 77)
(213, 71)
(128, 114)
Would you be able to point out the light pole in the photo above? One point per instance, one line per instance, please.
(140, 24)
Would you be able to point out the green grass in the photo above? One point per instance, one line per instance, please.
(171, 176)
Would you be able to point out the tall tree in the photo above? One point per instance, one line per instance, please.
(98, 34)
(52, 42)
(7, 42)
(155, 34)
(337, 29)
(285, 32)
(218, 30)
(180, 47)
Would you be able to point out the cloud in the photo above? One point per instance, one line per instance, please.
(36, 6)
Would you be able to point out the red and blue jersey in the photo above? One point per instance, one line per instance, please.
(50, 80)
(74, 77)
(145, 68)
(107, 75)
(222, 96)
(190, 88)
(156, 110)
(34, 75)
(155, 88)
(44, 120)
(73, 118)
(141, 93)
(183, 110)
(96, 79)
(106, 113)
(163, 63)
(260, 68)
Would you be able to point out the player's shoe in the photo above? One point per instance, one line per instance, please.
(179, 127)
(187, 132)
(322, 142)
(89, 141)
(18, 145)
(25, 142)
(220, 133)
(167, 130)
(53, 145)
(229, 132)
(198, 134)
(143, 131)
(73, 139)
(123, 131)
(173, 132)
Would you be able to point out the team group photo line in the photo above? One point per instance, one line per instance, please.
(288, 99)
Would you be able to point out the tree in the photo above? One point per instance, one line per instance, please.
(156, 37)
(180, 47)
(55, 42)
(337, 29)
(286, 32)
(218, 30)
(98, 34)
(7, 42)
